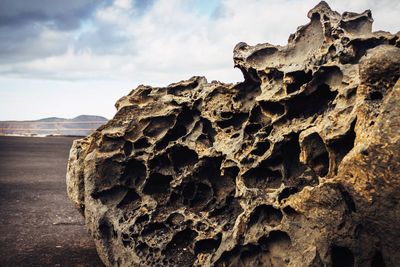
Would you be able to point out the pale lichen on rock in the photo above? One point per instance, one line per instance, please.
(296, 166)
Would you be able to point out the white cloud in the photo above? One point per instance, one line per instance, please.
(124, 4)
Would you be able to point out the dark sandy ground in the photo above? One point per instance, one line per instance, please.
(38, 225)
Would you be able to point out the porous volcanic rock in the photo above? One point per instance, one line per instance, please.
(296, 166)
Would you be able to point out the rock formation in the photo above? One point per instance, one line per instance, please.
(298, 165)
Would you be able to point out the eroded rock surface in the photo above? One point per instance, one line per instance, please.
(296, 166)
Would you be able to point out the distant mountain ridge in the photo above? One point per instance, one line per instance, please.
(82, 118)
(79, 126)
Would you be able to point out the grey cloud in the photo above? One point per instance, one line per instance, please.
(23, 26)
(63, 15)
(24, 43)
(104, 40)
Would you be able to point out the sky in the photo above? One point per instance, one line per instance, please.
(66, 58)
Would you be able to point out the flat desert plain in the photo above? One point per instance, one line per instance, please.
(38, 225)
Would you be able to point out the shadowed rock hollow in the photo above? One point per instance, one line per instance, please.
(296, 166)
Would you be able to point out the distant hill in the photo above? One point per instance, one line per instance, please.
(78, 126)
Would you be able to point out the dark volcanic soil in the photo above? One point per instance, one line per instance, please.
(38, 225)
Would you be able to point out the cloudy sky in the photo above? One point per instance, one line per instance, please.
(66, 58)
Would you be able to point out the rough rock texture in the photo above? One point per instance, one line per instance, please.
(296, 166)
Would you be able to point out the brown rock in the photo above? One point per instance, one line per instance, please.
(296, 166)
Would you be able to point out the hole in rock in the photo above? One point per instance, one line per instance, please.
(105, 229)
(265, 214)
(274, 74)
(356, 26)
(189, 190)
(183, 121)
(109, 143)
(203, 195)
(231, 172)
(317, 156)
(109, 172)
(134, 172)
(222, 185)
(252, 128)
(226, 115)
(288, 210)
(110, 196)
(332, 50)
(262, 177)
(208, 130)
(179, 89)
(361, 46)
(126, 240)
(276, 245)
(128, 148)
(257, 116)
(375, 95)
(248, 255)
(276, 242)
(377, 260)
(351, 93)
(142, 249)
(287, 192)
(202, 227)
(130, 200)
(178, 249)
(175, 219)
(289, 151)
(298, 79)
(272, 108)
(343, 144)
(236, 135)
(329, 75)
(265, 131)
(205, 140)
(276, 159)
(141, 143)
(262, 55)
(161, 163)
(236, 120)
(172, 135)
(158, 125)
(246, 160)
(182, 156)
(307, 105)
(157, 184)
(208, 245)
(145, 92)
(142, 219)
(175, 200)
(261, 148)
(152, 228)
(341, 257)
(227, 213)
